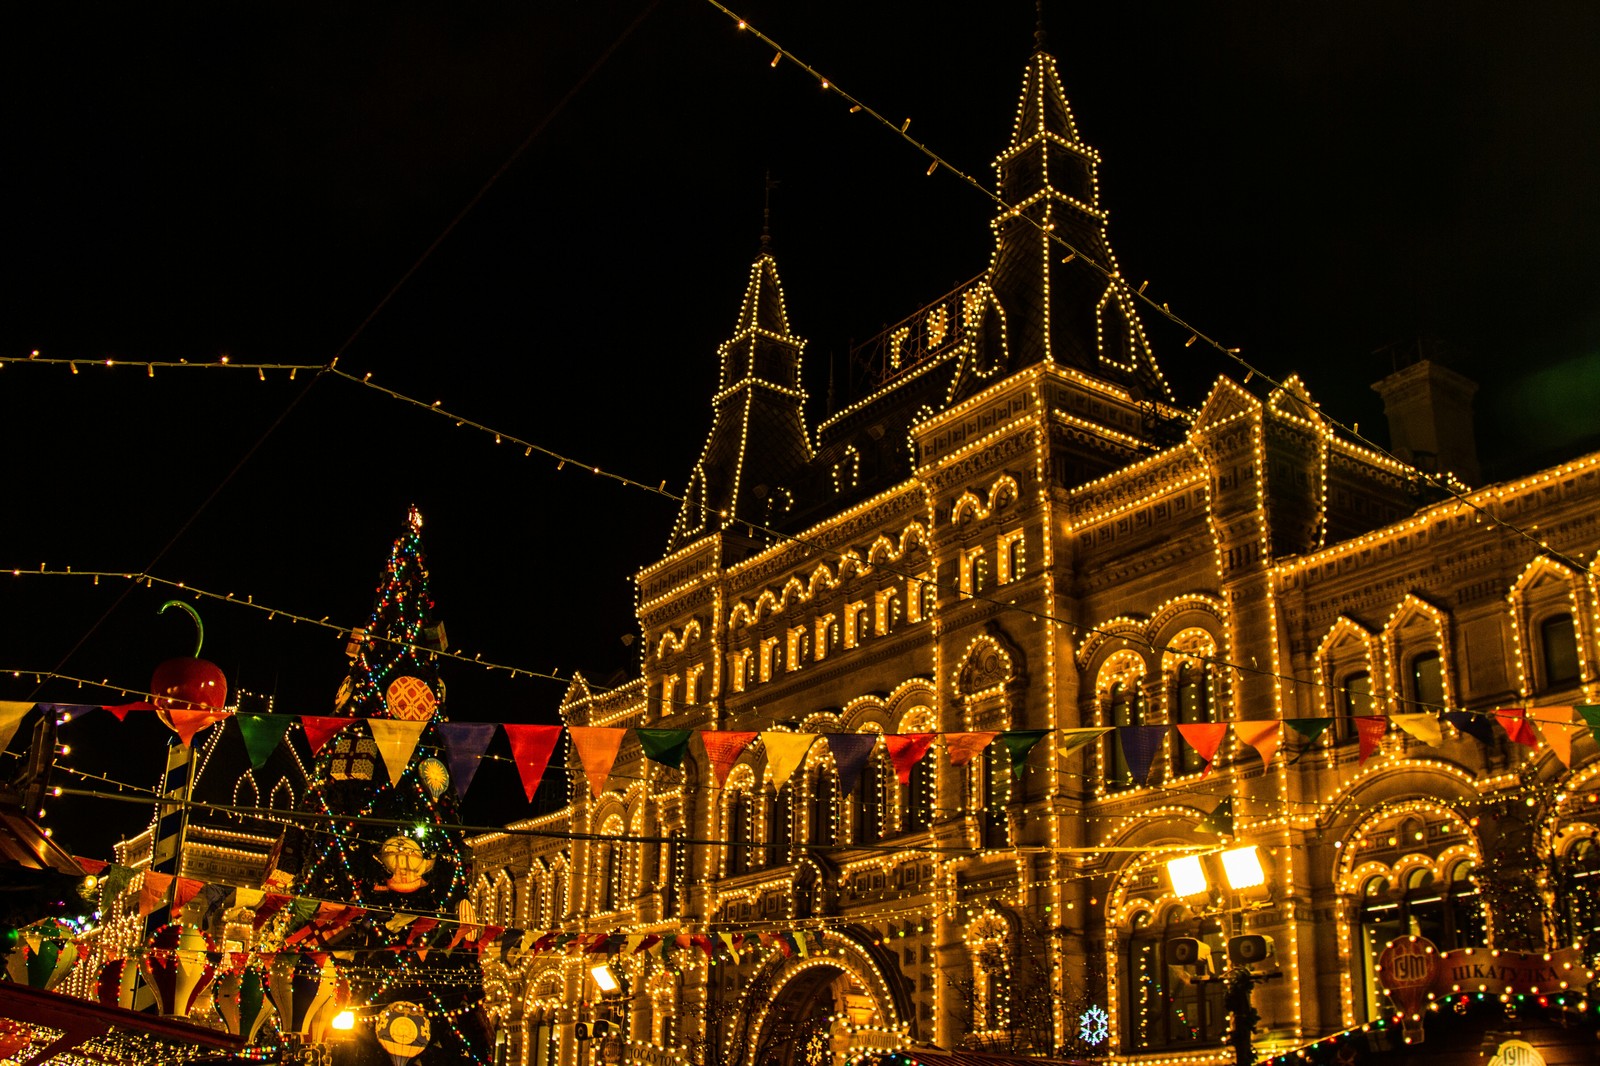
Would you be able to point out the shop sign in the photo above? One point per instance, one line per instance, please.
(1517, 1053)
(1482, 970)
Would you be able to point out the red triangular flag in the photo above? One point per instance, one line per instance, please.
(153, 892)
(531, 746)
(187, 888)
(1204, 737)
(1370, 729)
(90, 866)
(906, 750)
(270, 904)
(319, 728)
(1518, 729)
(121, 709)
(723, 748)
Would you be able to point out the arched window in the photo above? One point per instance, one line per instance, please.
(1449, 914)
(1577, 892)
(1355, 698)
(601, 874)
(1192, 703)
(874, 808)
(863, 625)
(1124, 706)
(930, 596)
(1161, 1010)
(995, 790)
(780, 823)
(738, 833)
(1427, 682)
(532, 902)
(824, 820)
(919, 796)
(1558, 639)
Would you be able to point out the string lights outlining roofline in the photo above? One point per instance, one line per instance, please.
(1139, 292)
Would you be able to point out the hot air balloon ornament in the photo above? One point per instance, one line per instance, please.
(303, 990)
(192, 687)
(42, 961)
(241, 999)
(177, 965)
(403, 1031)
(116, 982)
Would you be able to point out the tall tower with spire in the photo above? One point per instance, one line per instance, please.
(1053, 271)
(758, 443)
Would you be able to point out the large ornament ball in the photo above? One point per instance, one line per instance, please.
(187, 684)
(403, 1030)
(410, 699)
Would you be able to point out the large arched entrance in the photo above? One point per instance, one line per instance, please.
(823, 1006)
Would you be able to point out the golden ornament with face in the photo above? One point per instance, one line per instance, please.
(408, 867)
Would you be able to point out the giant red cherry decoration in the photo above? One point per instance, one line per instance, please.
(191, 684)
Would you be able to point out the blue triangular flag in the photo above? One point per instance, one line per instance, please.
(1139, 746)
(464, 745)
(850, 754)
(1474, 725)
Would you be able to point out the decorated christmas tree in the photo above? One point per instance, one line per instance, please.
(381, 875)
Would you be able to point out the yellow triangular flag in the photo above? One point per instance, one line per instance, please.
(1425, 727)
(11, 713)
(396, 740)
(785, 753)
(597, 747)
(1557, 726)
(632, 943)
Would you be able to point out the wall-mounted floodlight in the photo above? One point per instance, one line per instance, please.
(1187, 875)
(1243, 868)
(605, 979)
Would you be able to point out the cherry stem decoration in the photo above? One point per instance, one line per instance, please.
(199, 626)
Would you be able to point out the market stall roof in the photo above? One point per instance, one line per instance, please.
(23, 843)
(78, 1020)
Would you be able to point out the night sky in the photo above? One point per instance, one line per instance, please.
(1309, 182)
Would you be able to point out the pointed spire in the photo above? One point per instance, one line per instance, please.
(766, 214)
(1040, 42)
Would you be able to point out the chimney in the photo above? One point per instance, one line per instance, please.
(1429, 407)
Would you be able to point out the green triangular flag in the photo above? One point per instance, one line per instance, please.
(665, 746)
(1591, 715)
(1220, 821)
(1019, 742)
(1310, 728)
(261, 733)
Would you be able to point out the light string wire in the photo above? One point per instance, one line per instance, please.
(1115, 277)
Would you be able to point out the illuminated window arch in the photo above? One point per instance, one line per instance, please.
(919, 797)
(1158, 1012)
(822, 792)
(1119, 688)
(738, 822)
(1191, 691)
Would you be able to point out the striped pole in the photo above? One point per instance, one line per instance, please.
(167, 851)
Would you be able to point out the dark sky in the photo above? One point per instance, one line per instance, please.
(1310, 182)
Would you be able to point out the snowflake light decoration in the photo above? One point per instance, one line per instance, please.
(1094, 1026)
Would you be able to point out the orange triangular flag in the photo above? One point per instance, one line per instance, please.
(1262, 735)
(153, 892)
(597, 748)
(961, 747)
(1370, 729)
(1557, 726)
(785, 751)
(1204, 737)
(187, 722)
(723, 748)
(185, 889)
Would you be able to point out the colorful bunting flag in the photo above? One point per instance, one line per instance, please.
(850, 754)
(785, 752)
(1557, 726)
(1139, 746)
(153, 892)
(464, 745)
(723, 748)
(906, 750)
(262, 733)
(1474, 725)
(1424, 726)
(397, 740)
(1220, 821)
(665, 746)
(1264, 735)
(961, 747)
(597, 748)
(186, 722)
(531, 746)
(1590, 712)
(1204, 737)
(184, 889)
(11, 714)
(1310, 728)
(1514, 720)
(1070, 740)
(320, 727)
(1370, 729)
(1019, 742)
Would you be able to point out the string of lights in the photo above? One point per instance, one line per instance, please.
(939, 162)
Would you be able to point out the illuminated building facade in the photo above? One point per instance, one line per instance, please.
(1020, 527)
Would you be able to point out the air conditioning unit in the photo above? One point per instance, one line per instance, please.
(1249, 949)
(1188, 952)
